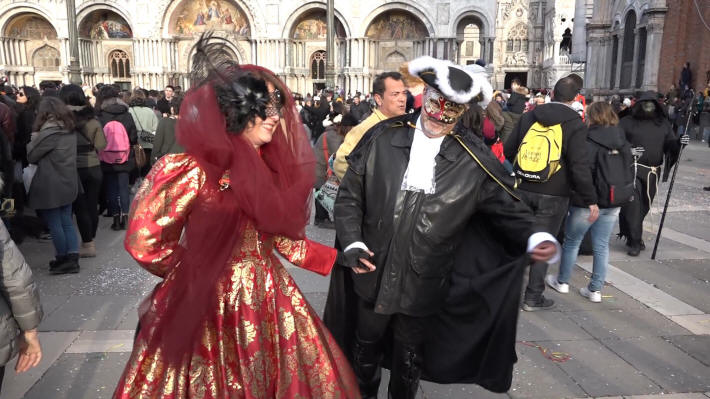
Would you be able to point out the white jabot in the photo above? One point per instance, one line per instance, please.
(422, 162)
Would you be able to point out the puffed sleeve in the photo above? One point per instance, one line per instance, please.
(307, 254)
(159, 211)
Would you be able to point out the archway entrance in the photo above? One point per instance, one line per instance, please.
(521, 76)
(468, 35)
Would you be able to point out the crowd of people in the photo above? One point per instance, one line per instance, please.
(441, 192)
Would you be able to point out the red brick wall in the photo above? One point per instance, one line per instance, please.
(685, 39)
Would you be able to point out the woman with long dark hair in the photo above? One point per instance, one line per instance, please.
(90, 139)
(55, 184)
(228, 320)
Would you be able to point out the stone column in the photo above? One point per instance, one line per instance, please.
(619, 56)
(654, 40)
(634, 66)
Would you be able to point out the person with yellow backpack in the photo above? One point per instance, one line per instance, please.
(549, 153)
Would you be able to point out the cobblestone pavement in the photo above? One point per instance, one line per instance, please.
(648, 338)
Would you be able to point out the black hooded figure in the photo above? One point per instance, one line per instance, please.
(646, 127)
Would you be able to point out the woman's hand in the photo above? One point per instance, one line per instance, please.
(30, 351)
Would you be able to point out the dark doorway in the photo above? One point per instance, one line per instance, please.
(521, 76)
(317, 87)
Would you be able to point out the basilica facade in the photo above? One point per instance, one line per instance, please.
(149, 43)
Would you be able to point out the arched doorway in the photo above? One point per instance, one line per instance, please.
(468, 36)
(31, 39)
(641, 60)
(627, 54)
(394, 31)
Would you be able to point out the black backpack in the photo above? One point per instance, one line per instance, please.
(614, 176)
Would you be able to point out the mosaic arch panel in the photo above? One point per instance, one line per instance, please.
(396, 25)
(196, 16)
(30, 26)
(46, 58)
(105, 24)
(313, 26)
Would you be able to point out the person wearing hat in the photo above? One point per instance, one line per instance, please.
(651, 137)
(413, 202)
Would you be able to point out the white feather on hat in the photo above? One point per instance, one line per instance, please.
(441, 81)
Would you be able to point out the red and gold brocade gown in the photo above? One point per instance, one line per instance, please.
(267, 342)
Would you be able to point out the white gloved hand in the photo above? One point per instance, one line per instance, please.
(685, 139)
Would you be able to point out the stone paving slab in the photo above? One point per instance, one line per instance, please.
(665, 364)
(644, 292)
(697, 324)
(53, 345)
(308, 281)
(626, 323)
(696, 346)
(677, 283)
(89, 312)
(601, 372)
(535, 377)
(78, 376)
(612, 297)
(548, 326)
(105, 341)
(429, 390)
(50, 303)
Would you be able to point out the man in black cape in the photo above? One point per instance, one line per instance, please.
(652, 140)
(436, 215)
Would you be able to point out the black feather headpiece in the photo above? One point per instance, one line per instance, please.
(241, 94)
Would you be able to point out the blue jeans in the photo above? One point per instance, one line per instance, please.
(117, 193)
(61, 227)
(575, 229)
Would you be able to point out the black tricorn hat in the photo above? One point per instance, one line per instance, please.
(455, 83)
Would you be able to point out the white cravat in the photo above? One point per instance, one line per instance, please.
(422, 162)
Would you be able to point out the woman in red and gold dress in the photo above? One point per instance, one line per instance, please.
(228, 321)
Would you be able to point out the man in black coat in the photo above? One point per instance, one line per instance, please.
(411, 194)
(651, 137)
(550, 199)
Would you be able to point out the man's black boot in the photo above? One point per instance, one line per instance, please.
(123, 221)
(406, 370)
(366, 365)
(116, 223)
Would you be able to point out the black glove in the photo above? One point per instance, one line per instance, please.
(351, 257)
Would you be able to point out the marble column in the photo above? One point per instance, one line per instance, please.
(619, 59)
(634, 66)
(654, 40)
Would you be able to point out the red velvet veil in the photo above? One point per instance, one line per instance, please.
(271, 188)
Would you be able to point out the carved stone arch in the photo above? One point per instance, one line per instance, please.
(46, 58)
(487, 28)
(296, 15)
(397, 6)
(393, 61)
(12, 10)
(231, 44)
(96, 5)
(244, 6)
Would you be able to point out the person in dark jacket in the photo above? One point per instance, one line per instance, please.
(603, 135)
(8, 122)
(651, 136)
(90, 139)
(165, 141)
(515, 106)
(116, 176)
(55, 185)
(338, 125)
(20, 308)
(318, 112)
(404, 203)
(163, 105)
(28, 98)
(549, 200)
(359, 110)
